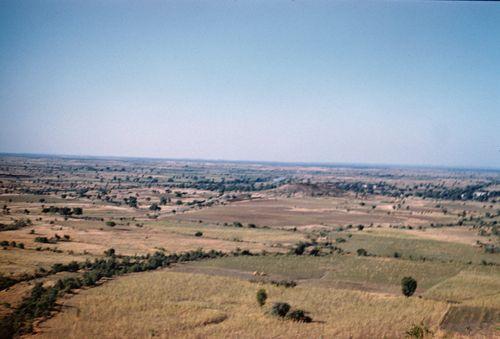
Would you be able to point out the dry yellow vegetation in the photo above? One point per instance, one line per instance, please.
(173, 304)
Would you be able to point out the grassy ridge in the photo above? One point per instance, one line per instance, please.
(189, 305)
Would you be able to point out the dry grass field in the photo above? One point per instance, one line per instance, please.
(169, 304)
(361, 230)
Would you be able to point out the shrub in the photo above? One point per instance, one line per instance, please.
(299, 249)
(408, 286)
(299, 315)
(284, 283)
(280, 309)
(417, 331)
(261, 297)
(315, 251)
(110, 223)
(89, 279)
(43, 240)
(6, 282)
(198, 234)
(154, 207)
(110, 252)
(362, 252)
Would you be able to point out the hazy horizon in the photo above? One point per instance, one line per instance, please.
(411, 83)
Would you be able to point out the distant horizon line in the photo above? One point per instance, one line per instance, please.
(269, 162)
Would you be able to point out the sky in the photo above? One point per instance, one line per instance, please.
(414, 83)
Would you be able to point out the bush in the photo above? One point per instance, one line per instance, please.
(315, 251)
(43, 240)
(284, 283)
(110, 223)
(299, 249)
(362, 252)
(299, 315)
(418, 331)
(280, 309)
(261, 297)
(154, 207)
(6, 282)
(198, 234)
(408, 286)
(110, 252)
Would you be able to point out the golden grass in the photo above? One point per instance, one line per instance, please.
(473, 286)
(170, 304)
(16, 261)
(382, 274)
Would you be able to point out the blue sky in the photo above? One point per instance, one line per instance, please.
(363, 82)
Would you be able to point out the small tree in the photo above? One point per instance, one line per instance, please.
(408, 286)
(261, 297)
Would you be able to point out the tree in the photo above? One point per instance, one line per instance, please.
(408, 286)
(261, 297)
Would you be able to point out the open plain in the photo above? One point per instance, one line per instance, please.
(148, 247)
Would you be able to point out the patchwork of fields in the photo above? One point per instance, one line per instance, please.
(110, 238)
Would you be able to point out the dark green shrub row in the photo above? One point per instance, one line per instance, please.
(63, 210)
(15, 225)
(284, 283)
(5, 243)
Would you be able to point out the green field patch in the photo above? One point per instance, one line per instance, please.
(388, 246)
